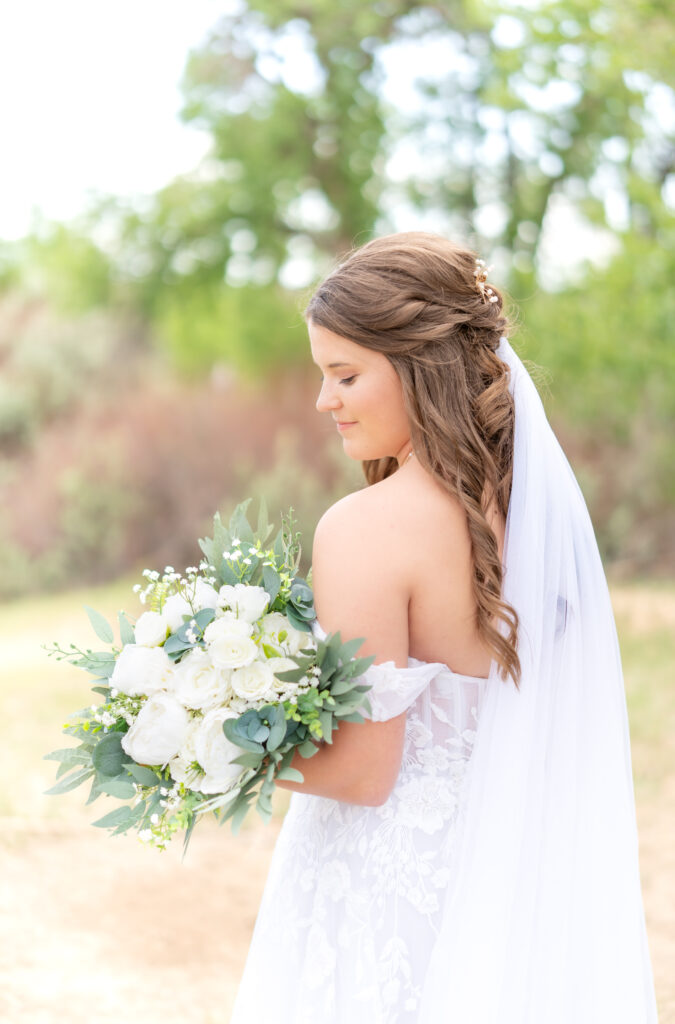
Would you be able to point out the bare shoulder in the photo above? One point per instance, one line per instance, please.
(401, 514)
(359, 588)
(372, 549)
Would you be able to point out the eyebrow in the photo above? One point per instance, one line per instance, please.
(333, 366)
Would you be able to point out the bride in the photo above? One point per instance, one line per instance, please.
(469, 854)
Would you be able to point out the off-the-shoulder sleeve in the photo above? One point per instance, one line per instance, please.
(393, 689)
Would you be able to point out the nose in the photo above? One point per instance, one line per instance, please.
(328, 398)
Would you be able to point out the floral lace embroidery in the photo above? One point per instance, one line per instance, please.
(357, 892)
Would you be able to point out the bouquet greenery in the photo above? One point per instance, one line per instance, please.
(212, 690)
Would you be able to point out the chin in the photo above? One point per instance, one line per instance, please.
(361, 452)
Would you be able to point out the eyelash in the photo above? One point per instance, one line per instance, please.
(348, 380)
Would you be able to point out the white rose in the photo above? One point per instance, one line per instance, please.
(232, 651)
(215, 753)
(283, 665)
(151, 629)
(249, 603)
(205, 595)
(175, 607)
(254, 682)
(142, 670)
(274, 625)
(180, 766)
(158, 732)
(225, 624)
(198, 683)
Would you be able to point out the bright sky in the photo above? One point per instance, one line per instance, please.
(90, 100)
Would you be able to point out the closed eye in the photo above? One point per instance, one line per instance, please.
(348, 380)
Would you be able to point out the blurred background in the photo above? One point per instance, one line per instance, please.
(175, 179)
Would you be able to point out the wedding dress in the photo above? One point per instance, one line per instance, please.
(354, 896)
(499, 883)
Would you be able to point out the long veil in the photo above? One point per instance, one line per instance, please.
(543, 921)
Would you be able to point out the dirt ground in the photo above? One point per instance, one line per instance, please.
(97, 930)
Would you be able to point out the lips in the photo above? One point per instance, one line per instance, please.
(344, 425)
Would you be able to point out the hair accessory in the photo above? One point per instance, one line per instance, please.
(481, 273)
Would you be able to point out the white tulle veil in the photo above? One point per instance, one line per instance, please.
(543, 921)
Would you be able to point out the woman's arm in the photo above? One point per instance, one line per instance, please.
(359, 590)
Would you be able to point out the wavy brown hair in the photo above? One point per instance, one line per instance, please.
(415, 298)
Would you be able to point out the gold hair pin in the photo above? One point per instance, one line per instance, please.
(481, 274)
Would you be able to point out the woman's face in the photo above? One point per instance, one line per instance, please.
(362, 392)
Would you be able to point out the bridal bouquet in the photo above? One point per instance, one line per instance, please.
(212, 690)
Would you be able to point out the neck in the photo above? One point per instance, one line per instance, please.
(404, 455)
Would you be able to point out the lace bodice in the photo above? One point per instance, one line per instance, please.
(353, 898)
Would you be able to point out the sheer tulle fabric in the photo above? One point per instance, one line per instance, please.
(499, 883)
(543, 920)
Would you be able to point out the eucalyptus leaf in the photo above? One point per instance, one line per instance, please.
(271, 582)
(142, 775)
(350, 648)
(122, 787)
(94, 792)
(277, 734)
(340, 686)
(264, 811)
(102, 627)
(108, 757)
(308, 749)
(120, 816)
(239, 815)
(292, 774)
(71, 782)
(326, 720)
(230, 729)
(100, 664)
(174, 646)
(248, 760)
(353, 716)
(127, 635)
(227, 573)
(69, 755)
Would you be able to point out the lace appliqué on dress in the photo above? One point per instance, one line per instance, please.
(354, 896)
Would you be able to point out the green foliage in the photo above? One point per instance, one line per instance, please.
(66, 266)
(250, 328)
(609, 347)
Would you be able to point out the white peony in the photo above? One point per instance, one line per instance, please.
(273, 627)
(198, 683)
(225, 624)
(181, 766)
(232, 651)
(151, 629)
(205, 596)
(158, 732)
(254, 682)
(249, 603)
(175, 607)
(215, 753)
(142, 670)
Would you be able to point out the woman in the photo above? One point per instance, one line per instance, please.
(469, 854)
